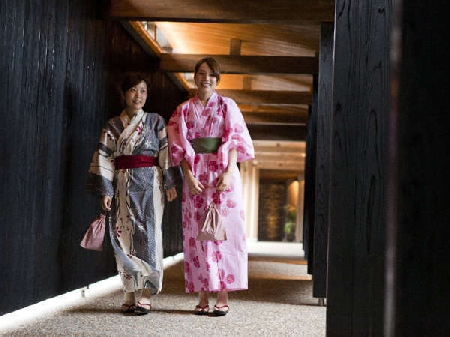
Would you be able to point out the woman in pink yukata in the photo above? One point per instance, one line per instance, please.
(207, 138)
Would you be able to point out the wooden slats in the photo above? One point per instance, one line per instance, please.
(280, 156)
(282, 165)
(264, 97)
(274, 119)
(277, 132)
(298, 110)
(262, 146)
(245, 11)
(243, 64)
(283, 155)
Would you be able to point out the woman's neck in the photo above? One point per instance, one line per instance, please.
(131, 112)
(204, 98)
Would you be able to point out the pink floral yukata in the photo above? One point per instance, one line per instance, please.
(212, 265)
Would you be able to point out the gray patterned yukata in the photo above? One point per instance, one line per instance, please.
(138, 195)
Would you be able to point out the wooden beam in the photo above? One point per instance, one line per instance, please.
(266, 146)
(300, 110)
(279, 174)
(238, 64)
(274, 119)
(276, 165)
(235, 46)
(263, 96)
(245, 11)
(271, 132)
(138, 32)
(282, 156)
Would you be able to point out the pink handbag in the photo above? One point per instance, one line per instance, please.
(93, 239)
(212, 227)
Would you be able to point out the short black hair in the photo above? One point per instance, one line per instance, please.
(132, 79)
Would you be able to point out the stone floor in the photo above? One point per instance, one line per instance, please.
(278, 302)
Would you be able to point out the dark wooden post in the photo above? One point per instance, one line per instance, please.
(357, 229)
(418, 287)
(323, 153)
(310, 181)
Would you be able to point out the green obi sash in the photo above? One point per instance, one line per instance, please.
(206, 144)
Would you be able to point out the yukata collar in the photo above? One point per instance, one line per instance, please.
(126, 120)
(212, 98)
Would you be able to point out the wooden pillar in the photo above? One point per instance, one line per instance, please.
(250, 181)
(418, 291)
(310, 177)
(322, 192)
(357, 212)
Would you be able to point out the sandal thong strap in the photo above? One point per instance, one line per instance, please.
(198, 307)
(127, 308)
(144, 304)
(141, 308)
(201, 310)
(221, 310)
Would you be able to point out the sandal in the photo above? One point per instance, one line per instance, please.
(220, 310)
(127, 308)
(199, 310)
(141, 308)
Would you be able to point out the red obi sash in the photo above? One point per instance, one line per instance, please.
(134, 161)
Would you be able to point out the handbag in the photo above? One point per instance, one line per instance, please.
(93, 239)
(212, 227)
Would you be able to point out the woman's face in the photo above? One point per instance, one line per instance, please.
(136, 96)
(205, 80)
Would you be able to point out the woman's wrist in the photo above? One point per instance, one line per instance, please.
(230, 168)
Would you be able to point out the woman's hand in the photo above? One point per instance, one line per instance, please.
(194, 185)
(106, 203)
(171, 194)
(224, 181)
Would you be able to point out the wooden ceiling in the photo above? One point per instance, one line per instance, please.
(267, 51)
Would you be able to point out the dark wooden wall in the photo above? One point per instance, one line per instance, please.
(357, 213)
(309, 203)
(323, 157)
(419, 214)
(59, 62)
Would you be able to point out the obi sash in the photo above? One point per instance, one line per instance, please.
(134, 161)
(206, 144)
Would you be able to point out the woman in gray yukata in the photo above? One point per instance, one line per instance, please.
(132, 172)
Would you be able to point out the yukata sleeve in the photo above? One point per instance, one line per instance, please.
(236, 135)
(180, 147)
(170, 173)
(101, 170)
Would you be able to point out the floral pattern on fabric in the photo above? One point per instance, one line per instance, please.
(212, 265)
(138, 194)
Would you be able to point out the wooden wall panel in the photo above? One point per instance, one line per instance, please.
(309, 207)
(418, 261)
(32, 150)
(323, 155)
(59, 69)
(361, 93)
